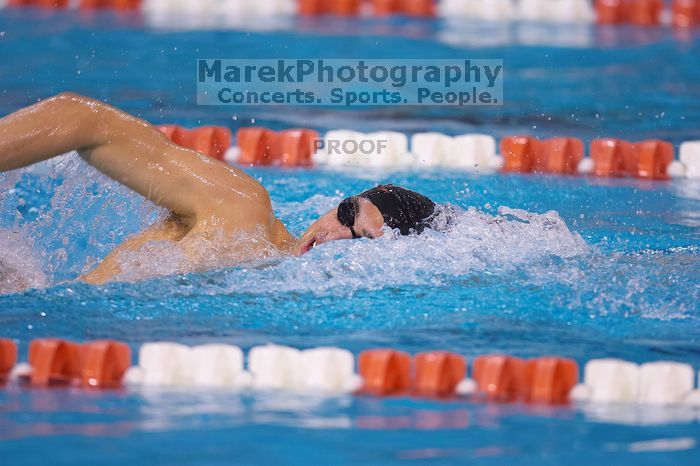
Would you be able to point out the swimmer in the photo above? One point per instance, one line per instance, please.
(206, 198)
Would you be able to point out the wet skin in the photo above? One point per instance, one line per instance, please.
(207, 199)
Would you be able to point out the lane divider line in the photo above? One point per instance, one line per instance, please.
(495, 378)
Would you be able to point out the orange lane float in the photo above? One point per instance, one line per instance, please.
(549, 380)
(41, 3)
(104, 363)
(652, 158)
(525, 154)
(499, 377)
(685, 13)
(559, 155)
(611, 157)
(437, 373)
(519, 153)
(289, 148)
(213, 141)
(639, 12)
(294, 147)
(610, 11)
(645, 12)
(111, 4)
(404, 7)
(328, 7)
(54, 362)
(99, 364)
(645, 159)
(384, 371)
(8, 357)
(255, 146)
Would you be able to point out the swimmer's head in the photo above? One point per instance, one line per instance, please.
(364, 216)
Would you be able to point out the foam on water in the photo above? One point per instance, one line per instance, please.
(20, 266)
(477, 242)
(59, 218)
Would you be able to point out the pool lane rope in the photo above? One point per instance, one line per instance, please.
(647, 13)
(651, 159)
(550, 380)
(607, 157)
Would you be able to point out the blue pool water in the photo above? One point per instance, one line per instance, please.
(577, 267)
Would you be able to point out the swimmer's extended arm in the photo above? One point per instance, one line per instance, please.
(130, 151)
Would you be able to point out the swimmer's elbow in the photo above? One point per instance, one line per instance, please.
(68, 96)
(71, 99)
(104, 273)
(93, 279)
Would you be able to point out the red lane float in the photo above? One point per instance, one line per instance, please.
(111, 4)
(54, 361)
(99, 364)
(639, 12)
(519, 153)
(384, 371)
(8, 357)
(549, 380)
(610, 11)
(213, 141)
(437, 373)
(403, 7)
(499, 377)
(525, 154)
(255, 146)
(328, 7)
(685, 13)
(289, 148)
(545, 380)
(41, 3)
(104, 363)
(611, 157)
(294, 147)
(645, 159)
(559, 155)
(645, 12)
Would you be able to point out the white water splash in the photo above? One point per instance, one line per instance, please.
(91, 205)
(477, 242)
(20, 265)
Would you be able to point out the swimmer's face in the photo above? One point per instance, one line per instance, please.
(368, 224)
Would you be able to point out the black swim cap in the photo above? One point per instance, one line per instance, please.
(401, 208)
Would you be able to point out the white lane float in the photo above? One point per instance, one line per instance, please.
(352, 148)
(161, 364)
(218, 365)
(472, 152)
(690, 158)
(665, 382)
(214, 8)
(491, 10)
(561, 11)
(330, 370)
(608, 381)
(276, 367)
(340, 149)
(391, 149)
(165, 364)
(430, 149)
